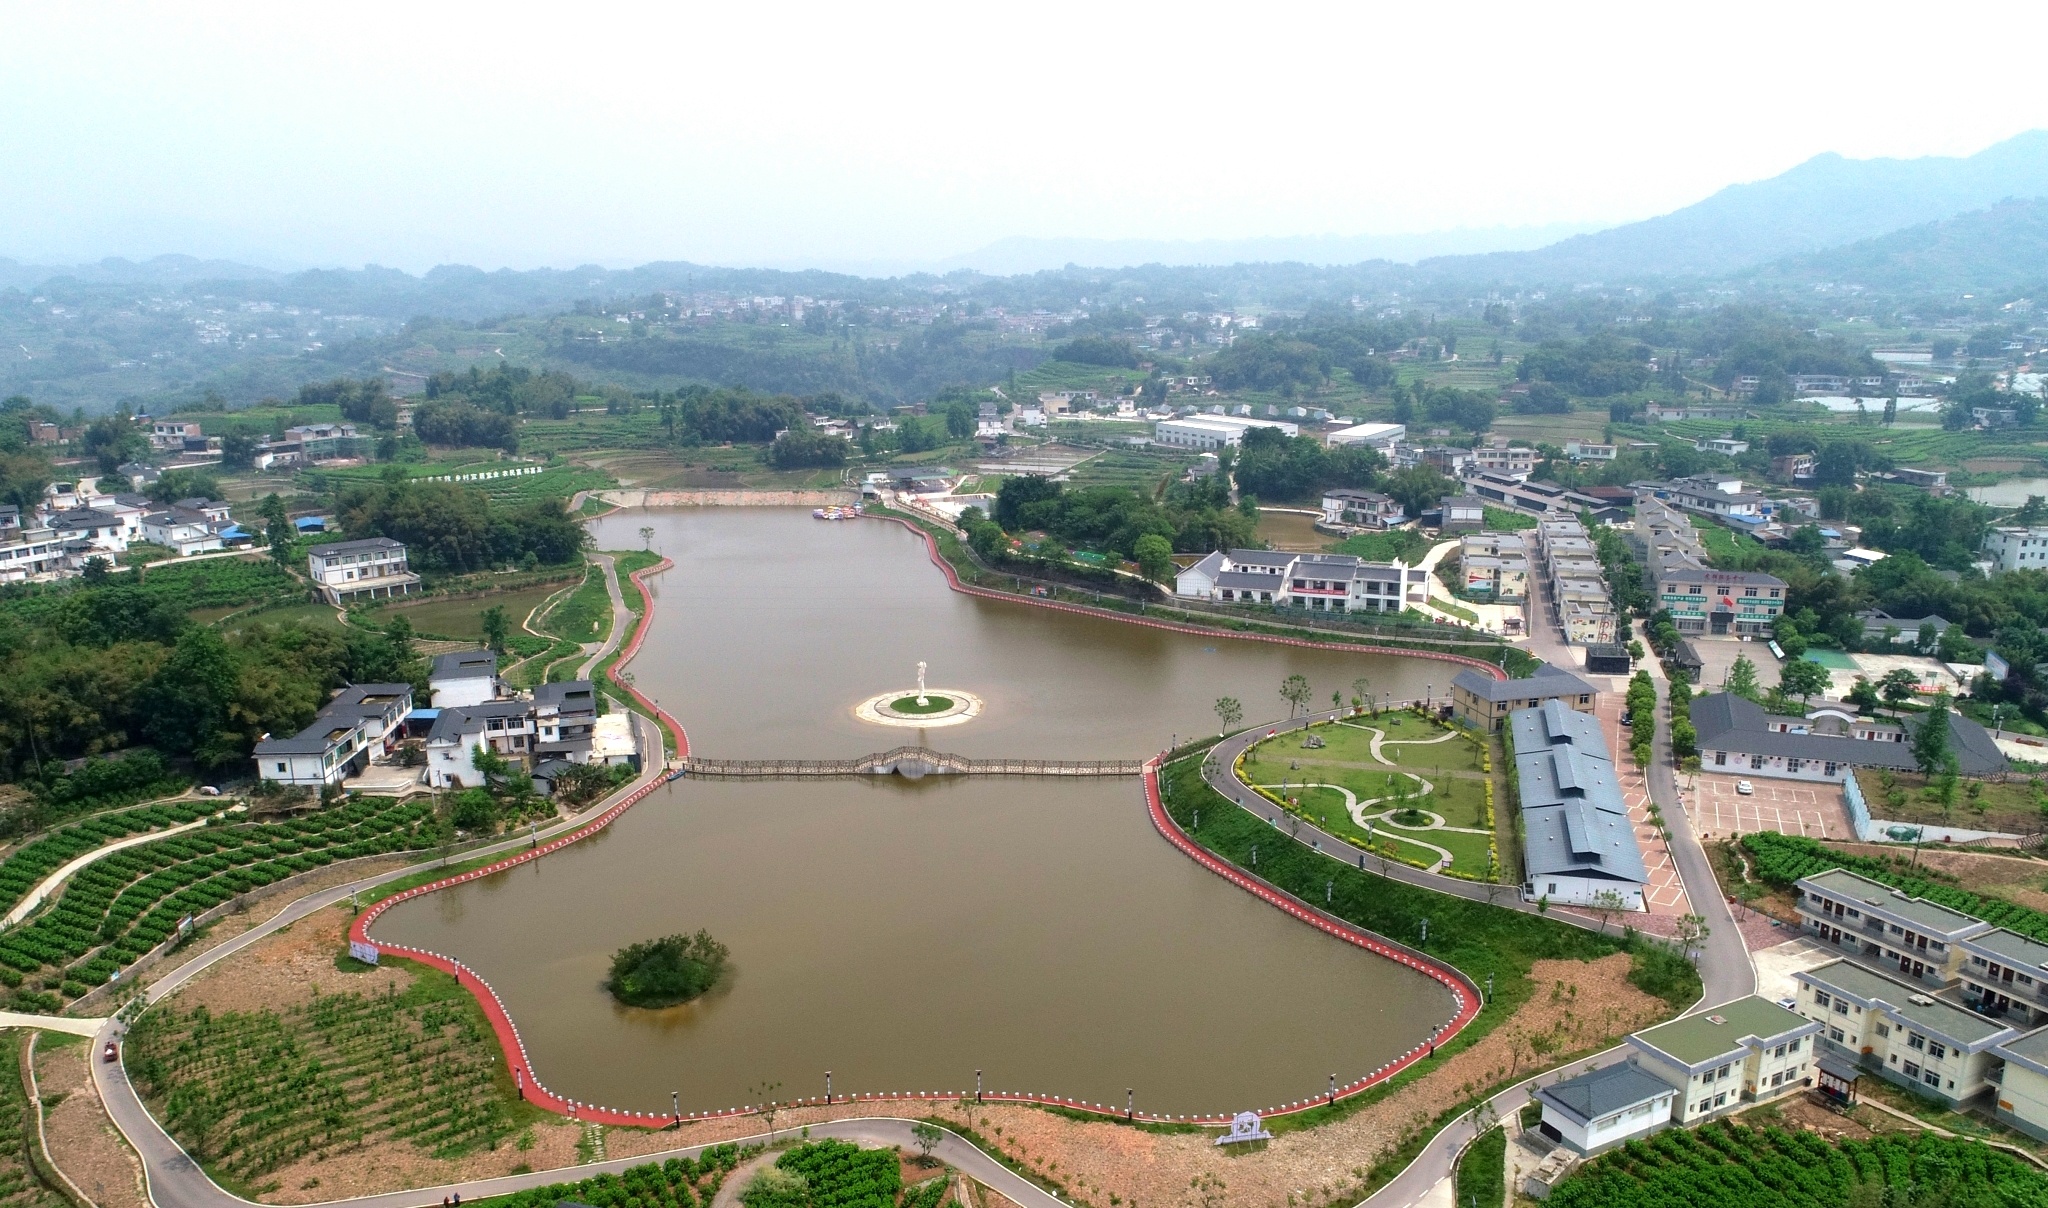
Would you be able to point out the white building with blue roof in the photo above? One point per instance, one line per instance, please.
(1579, 847)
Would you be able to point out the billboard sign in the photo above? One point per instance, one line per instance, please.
(366, 953)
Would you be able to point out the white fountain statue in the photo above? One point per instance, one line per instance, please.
(921, 700)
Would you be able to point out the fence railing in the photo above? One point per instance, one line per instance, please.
(913, 762)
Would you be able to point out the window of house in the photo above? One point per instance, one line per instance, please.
(1794, 1046)
(1835, 1034)
(1841, 1007)
(1720, 759)
(1912, 1069)
(1936, 1051)
(1915, 1040)
(1756, 763)
(1931, 1078)
(280, 767)
(1820, 998)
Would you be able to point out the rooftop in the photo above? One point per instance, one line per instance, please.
(365, 545)
(1548, 680)
(1574, 818)
(2014, 949)
(1840, 882)
(1944, 1019)
(1696, 1039)
(464, 664)
(1607, 1090)
(1727, 722)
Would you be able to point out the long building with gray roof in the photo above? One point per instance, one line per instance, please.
(1579, 846)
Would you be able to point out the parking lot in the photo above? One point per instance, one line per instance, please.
(1793, 807)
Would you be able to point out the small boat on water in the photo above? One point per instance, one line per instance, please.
(836, 513)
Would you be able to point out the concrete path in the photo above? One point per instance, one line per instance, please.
(622, 618)
(48, 885)
(89, 1025)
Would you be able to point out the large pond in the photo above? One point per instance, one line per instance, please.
(2012, 493)
(904, 935)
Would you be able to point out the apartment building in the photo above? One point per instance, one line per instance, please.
(2005, 976)
(1514, 461)
(1584, 450)
(1902, 1032)
(1717, 495)
(1739, 1053)
(1885, 928)
(1579, 599)
(1213, 431)
(373, 568)
(2017, 548)
(1703, 600)
(1495, 564)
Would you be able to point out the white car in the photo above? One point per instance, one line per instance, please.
(1744, 787)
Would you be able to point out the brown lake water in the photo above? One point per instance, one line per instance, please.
(904, 935)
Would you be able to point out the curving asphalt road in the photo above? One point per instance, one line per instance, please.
(622, 617)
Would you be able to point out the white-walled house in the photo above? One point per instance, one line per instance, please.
(372, 568)
(1902, 1032)
(363, 720)
(1602, 1108)
(464, 677)
(183, 531)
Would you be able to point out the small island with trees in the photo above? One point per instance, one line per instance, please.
(667, 972)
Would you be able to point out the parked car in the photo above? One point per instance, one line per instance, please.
(1744, 787)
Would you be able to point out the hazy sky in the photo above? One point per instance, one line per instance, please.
(500, 135)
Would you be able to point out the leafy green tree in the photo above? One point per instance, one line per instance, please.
(188, 701)
(495, 628)
(1155, 557)
(1899, 685)
(1229, 712)
(1931, 737)
(1742, 679)
(1296, 692)
(1803, 678)
(667, 971)
(1864, 695)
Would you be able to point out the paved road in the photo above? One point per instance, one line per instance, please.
(622, 617)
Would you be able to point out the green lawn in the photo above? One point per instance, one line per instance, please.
(464, 618)
(1460, 800)
(1504, 520)
(581, 615)
(1405, 544)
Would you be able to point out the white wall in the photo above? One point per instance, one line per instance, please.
(1580, 891)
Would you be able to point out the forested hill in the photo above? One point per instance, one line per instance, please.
(1825, 202)
(2002, 249)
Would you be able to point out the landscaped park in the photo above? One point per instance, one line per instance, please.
(297, 1074)
(1395, 784)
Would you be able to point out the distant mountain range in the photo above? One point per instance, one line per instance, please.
(1007, 257)
(1937, 222)
(1826, 202)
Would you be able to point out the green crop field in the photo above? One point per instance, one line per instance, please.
(675, 1183)
(249, 1092)
(464, 618)
(120, 907)
(33, 861)
(20, 1186)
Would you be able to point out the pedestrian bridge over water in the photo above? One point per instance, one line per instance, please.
(912, 763)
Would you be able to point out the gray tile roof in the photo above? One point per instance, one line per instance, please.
(1241, 580)
(1574, 819)
(1727, 722)
(567, 694)
(464, 664)
(1546, 682)
(1609, 1089)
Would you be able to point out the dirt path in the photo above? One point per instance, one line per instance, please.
(83, 1141)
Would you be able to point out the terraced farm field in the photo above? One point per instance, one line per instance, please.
(119, 908)
(250, 1092)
